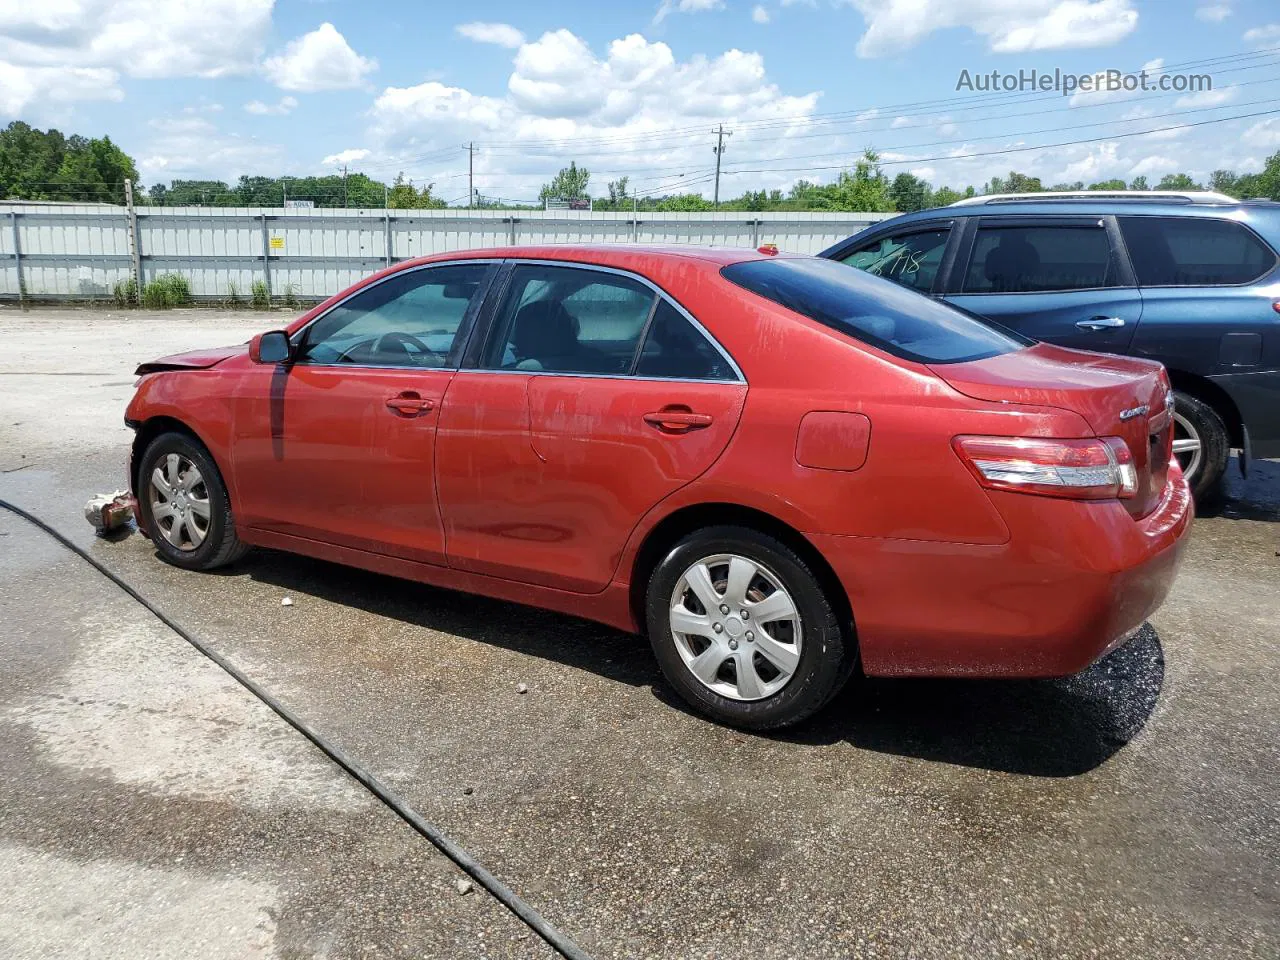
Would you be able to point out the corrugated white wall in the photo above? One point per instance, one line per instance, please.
(81, 251)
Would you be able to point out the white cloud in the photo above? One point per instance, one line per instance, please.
(759, 14)
(616, 107)
(1153, 167)
(192, 147)
(1263, 36)
(319, 60)
(1265, 134)
(900, 122)
(345, 157)
(60, 51)
(685, 6)
(502, 34)
(277, 109)
(1100, 93)
(1207, 98)
(1009, 26)
(1213, 13)
(26, 88)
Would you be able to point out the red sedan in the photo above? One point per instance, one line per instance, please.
(774, 466)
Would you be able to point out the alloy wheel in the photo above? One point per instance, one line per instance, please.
(1187, 445)
(180, 502)
(736, 627)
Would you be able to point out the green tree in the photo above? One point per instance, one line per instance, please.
(1177, 181)
(908, 192)
(618, 195)
(945, 196)
(1114, 184)
(44, 165)
(1139, 183)
(684, 202)
(569, 184)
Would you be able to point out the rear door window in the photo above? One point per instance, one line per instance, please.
(878, 312)
(1193, 251)
(911, 259)
(674, 349)
(569, 320)
(1008, 258)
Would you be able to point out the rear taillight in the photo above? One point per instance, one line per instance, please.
(1077, 469)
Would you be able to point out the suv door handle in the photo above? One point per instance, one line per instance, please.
(678, 420)
(409, 404)
(1100, 323)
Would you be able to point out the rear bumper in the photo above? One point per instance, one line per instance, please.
(1256, 395)
(1071, 584)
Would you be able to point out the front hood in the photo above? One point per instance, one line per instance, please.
(192, 360)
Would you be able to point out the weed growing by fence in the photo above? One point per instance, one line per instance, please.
(261, 295)
(291, 297)
(125, 292)
(234, 296)
(166, 290)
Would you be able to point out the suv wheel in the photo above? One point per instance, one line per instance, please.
(743, 631)
(1200, 442)
(185, 504)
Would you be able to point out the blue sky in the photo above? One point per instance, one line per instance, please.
(217, 88)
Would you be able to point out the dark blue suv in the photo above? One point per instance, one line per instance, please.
(1189, 279)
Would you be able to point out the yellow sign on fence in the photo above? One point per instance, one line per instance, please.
(277, 243)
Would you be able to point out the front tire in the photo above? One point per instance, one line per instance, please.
(743, 630)
(185, 506)
(1200, 442)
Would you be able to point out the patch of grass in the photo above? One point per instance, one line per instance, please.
(125, 292)
(291, 297)
(261, 295)
(166, 290)
(234, 297)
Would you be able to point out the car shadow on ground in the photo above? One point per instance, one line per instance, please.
(1052, 728)
(1256, 497)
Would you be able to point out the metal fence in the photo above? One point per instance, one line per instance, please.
(78, 252)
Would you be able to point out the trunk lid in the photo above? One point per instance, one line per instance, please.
(1117, 396)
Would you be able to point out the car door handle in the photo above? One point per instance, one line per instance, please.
(409, 404)
(1100, 323)
(678, 420)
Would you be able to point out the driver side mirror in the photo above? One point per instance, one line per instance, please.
(271, 347)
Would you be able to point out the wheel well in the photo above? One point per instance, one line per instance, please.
(148, 431)
(1206, 390)
(671, 530)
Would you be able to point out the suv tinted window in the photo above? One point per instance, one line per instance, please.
(569, 320)
(411, 319)
(911, 259)
(675, 348)
(873, 310)
(1189, 251)
(1012, 259)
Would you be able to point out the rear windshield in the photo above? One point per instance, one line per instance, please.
(876, 311)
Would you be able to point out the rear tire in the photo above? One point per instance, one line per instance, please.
(1206, 444)
(184, 504)
(773, 668)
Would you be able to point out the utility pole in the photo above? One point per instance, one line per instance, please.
(718, 149)
(344, 185)
(471, 174)
(135, 249)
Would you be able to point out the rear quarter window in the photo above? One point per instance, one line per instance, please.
(1194, 252)
(876, 311)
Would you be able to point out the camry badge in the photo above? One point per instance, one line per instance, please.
(1133, 412)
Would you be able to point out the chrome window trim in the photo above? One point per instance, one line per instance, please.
(296, 338)
(739, 377)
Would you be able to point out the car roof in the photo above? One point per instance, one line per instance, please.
(618, 255)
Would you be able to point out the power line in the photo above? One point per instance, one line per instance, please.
(1009, 150)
